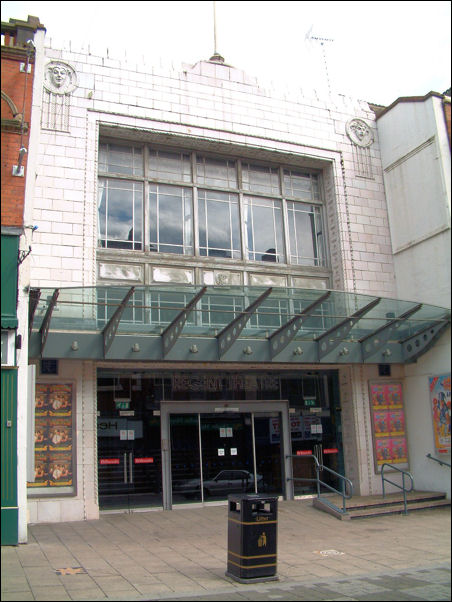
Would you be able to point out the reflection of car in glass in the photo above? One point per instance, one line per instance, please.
(226, 481)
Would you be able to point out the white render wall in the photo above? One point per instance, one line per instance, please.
(416, 160)
(216, 104)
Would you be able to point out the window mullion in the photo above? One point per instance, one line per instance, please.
(146, 209)
(195, 224)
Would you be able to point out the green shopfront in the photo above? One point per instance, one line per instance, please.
(9, 511)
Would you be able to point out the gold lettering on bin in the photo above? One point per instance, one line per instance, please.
(261, 518)
(262, 541)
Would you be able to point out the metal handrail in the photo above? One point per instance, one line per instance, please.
(318, 468)
(436, 460)
(404, 489)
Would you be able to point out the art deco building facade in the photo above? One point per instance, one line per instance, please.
(212, 291)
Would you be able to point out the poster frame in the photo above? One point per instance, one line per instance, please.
(401, 434)
(60, 491)
(440, 449)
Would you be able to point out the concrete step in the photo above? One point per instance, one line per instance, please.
(397, 508)
(368, 506)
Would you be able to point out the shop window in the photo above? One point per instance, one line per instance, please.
(281, 207)
(169, 166)
(216, 172)
(120, 206)
(305, 234)
(264, 228)
(257, 178)
(171, 222)
(219, 224)
(126, 160)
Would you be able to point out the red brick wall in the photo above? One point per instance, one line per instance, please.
(12, 187)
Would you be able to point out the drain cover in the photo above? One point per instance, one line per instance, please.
(329, 553)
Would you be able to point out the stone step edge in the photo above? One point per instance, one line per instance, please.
(377, 511)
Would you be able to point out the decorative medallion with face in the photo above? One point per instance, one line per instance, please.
(60, 78)
(359, 132)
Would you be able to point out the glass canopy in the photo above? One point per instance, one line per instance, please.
(229, 323)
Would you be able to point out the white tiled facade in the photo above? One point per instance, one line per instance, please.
(220, 109)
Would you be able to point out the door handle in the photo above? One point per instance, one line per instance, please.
(130, 468)
(125, 467)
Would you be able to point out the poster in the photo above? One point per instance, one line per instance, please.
(53, 436)
(439, 387)
(388, 424)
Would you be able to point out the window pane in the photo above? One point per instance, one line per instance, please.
(264, 229)
(169, 166)
(301, 185)
(171, 219)
(260, 179)
(120, 214)
(126, 160)
(305, 234)
(216, 172)
(220, 311)
(219, 233)
(109, 300)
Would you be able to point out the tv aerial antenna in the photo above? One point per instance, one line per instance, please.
(322, 41)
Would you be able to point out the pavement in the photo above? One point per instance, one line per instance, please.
(182, 555)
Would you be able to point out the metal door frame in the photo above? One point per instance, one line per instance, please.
(253, 407)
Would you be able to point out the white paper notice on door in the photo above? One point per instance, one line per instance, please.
(222, 432)
(123, 435)
(229, 432)
(316, 428)
(233, 451)
(130, 434)
(221, 452)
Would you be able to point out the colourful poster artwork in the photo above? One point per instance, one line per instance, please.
(441, 411)
(60, 469)
(378, 396)
(381, 424)
(397, 423)
(399, 452)
(394, 395)
(41, 470)
(383, 450)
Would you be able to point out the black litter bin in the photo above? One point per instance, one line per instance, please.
(252, 537)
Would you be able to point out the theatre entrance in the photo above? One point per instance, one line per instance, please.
(220, 448)
(161, 442)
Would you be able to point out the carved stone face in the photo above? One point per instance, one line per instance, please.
(359, 133)
(359, 129)
(58, 75)
(60, 78)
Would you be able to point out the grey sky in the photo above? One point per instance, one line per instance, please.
(381, 50)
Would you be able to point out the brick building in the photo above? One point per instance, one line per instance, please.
(212, 290)
(17, 74)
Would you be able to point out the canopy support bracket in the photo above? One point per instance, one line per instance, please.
(231, 332)
(111, 327)
(377, 339)
(284, 335)
(173, 331)
(44, 330)
(333, 337)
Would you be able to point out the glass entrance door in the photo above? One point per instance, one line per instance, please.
(227, 455)
(213, 455)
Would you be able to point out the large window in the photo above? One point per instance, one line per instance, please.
(185, 203)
